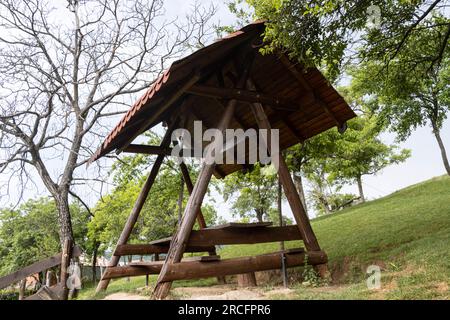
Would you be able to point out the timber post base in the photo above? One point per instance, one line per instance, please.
(246, 280)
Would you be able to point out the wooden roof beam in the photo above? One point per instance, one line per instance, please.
(154, 150)
(305, 85)
(242, 95)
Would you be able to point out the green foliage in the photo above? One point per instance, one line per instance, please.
(325, 33)
(252, 193)
(309, 276)
(360, 151)
(410, 93)
(30, 233)
(330, 160)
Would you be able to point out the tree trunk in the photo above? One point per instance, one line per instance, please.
(259, 214)
(65, 221)
(442, 148)
(22, 287)
(360, 188)
(94, 262)
(299, 186)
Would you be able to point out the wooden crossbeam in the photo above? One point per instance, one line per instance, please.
(147, 149)
(243, 95)
(155, 150)
(205, 240)
(198, 269)
(144, 249)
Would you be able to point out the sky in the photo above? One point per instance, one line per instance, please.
(424, 163)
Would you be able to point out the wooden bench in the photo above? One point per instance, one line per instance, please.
(214, 268)
(206, 239)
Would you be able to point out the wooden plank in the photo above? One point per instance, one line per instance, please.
(148, 149)
(47, 293)
(246, 280)
(35, 268)
(155, 150)
(202, 258)
(190, 187)
(298, 211)
(230, 236)
(144, 249)
(309, 90)
(195, 269)
(231, 225)
(204, 240)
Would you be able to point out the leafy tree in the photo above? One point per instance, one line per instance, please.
(30, 233)
(411, 94)
(326, 33)
(330, 160)
(303, 158)
(252, 193)
(359, 151)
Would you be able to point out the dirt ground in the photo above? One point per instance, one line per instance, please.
(219, 292)
(124, 296)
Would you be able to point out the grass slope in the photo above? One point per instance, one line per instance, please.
(406, 233)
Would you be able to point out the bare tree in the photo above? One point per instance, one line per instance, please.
(64, 71)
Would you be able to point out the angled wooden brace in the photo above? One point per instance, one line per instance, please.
(301, 218)
(132, 218)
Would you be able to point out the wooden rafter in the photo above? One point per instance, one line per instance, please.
(243, 95)
(309, 90)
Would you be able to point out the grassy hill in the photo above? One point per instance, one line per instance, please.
(406, 233)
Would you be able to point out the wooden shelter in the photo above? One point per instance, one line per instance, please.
(227, 84)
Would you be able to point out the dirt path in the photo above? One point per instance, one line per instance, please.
(230, 293)
(220, 292)
(125, 296)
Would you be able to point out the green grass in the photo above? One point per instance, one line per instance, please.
(406, 233)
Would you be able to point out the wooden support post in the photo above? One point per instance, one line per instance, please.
(246, 280)
(301, 218)
(190, 187)
(181, 236)
(65, 262)
(50, 278)
(280, 217)
(200, 218)
(103, 284)
(180, 200)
